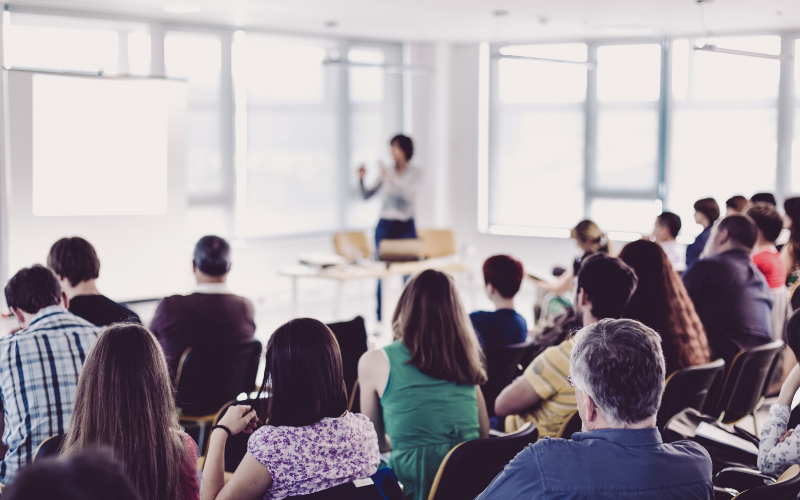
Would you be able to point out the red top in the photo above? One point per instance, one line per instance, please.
(189, 488)
(771, 266)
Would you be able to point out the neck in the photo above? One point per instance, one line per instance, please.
(401, 165)
(204, 278)
(763, 245)
(603, 423)
(87, 287)
(588, 319)
(503, 303)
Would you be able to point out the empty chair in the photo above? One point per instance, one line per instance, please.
(570, 426)
(729, 482)
(352, 339)
(50, 447)
(469, 467)
(503, 365)
(437, 242)
(352, 245)
(384, 486)
(688, 388)
(743, 385)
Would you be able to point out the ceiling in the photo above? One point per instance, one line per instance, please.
(470, 20)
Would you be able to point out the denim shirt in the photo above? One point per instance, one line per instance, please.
(606, 464)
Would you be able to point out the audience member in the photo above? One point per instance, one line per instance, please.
(75, 262)
(729, 293)
(503, 326)
(736, 205)
(706, 212)
(790, 253)
(543, 395)
(310, 441)
(91, 475)
(767, 259)
(617, 369)
(424, 389)
(211, 315)
(125, 402)
(590, 239)
(39, 365)
(779, 448)
(662, 303)
(764, 198)
(666, 229)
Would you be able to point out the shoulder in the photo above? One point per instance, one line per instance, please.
(693, 456)
(479, 316)
(373, 361)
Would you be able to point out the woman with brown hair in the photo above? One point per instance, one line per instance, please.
(310, 441)
(124, 402)
(662, 303)
(423, 391)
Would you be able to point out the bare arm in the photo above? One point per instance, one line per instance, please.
(517, 397)
(373, 373)
(563, 283)
(483, 415)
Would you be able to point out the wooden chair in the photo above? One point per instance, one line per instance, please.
(353, 399)
(352, 245)
(502, 367)
(437, 242)
(50, 447)
(470, 466)
(688, 388)
(570, 426)
(352, 339)
(743, 387)
(747, 484)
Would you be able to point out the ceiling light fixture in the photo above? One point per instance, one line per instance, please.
(713, 48)
(181, 8)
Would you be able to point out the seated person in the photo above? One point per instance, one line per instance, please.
(93, 475)
(764, 198)
(125, 402)
(309, 441)
(211, 315)
(617, 370)
(503, 277)
(434, 400)
(75, 263)
(667, 227)
(729, 293)
(706, 212)
(779, 448)
(765, 255)
(543, 395)
(39, 365)
(736, 205)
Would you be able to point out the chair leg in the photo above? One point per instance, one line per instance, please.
(755, 423)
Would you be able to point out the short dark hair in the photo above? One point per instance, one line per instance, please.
(405, 143)
(740, 228)
(32, 289)
(89, 475)
(671, 221)
(212, 256)
(708, 207)
(738, 203)
(608, 282)
(74, 259)
(504, 273)
(764, 198)
(791, 332)
(304, 365)
(767, 219)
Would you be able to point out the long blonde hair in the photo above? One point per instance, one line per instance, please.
(589, 233)
(432, 324)
(125, 401)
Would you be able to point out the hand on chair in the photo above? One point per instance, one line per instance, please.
(240, 418)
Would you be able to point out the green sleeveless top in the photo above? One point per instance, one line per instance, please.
(424, 418)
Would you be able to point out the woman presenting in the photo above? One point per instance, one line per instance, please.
(398, 189)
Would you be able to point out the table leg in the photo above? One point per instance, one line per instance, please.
(294, 297)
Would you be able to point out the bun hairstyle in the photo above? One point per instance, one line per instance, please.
(588, 232)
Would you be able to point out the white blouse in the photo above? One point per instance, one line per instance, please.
(398, 192)
(775, 457)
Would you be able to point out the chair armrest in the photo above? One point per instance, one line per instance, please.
(724, 493)
(496, 434)
(741, 479)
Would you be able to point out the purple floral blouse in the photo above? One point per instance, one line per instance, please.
(304, 460)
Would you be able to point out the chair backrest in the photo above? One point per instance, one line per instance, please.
(383, 486)
(744, 383)
(688, 388)
(209, 377)
(502, 367)
(437, 242)
(236, 446)
(351, 245)
(352, 338)
(570, 426)
(50, 447)
(469, 467)
(787, 487)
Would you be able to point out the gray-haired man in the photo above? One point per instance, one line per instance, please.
(617, 368)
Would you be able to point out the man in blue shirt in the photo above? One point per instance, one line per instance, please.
(617, 369)
(503, 326)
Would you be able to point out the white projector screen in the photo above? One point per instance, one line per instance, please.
(101, 158)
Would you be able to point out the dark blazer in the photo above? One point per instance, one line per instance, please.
(201, 320)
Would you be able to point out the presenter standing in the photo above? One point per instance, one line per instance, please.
(398, 188)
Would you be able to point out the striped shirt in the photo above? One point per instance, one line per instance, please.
(39, 369)
(548, 374)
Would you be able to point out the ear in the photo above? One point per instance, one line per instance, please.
(64, 300)
(723, 236)
(591, 409)
(194, 267)
(583, 299)
(17, 314)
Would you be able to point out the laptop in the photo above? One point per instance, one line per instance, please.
(402, 250)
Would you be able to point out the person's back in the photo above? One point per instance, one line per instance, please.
(39, 366)
(503, 326)
(729, 293)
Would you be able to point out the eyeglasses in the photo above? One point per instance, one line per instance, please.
(571, 382)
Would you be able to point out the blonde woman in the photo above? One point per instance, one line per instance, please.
(423, 391)
(124, 402)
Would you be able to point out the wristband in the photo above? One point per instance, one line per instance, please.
(223, 428)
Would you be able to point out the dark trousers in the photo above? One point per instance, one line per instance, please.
(389, 229)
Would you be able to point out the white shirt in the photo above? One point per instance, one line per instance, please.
(676, 253)
(398, 192)
(218, 288)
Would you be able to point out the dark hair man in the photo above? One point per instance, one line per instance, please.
(666, 229)
(503, 326)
